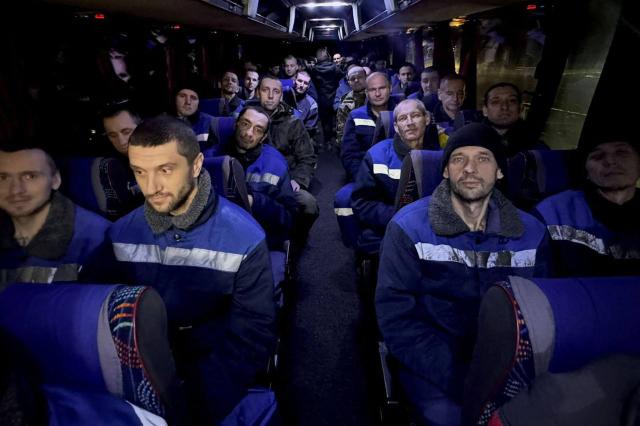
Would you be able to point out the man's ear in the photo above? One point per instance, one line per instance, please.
(395, 126)
(499, 174)
(197, 164)
(56, 181)
(485, 111)
(445, 172)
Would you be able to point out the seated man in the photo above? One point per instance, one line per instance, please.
(272, 200)
(451, 95)
(250, 84)
(405, 84)
(230, 103)
(438, 257)
(297, 97)
(429, 85)
(206, 257)
(45, 237)
(353, 99)
(361, 124)
(502, 106)
(290, 68)
(187, 103)
(595, 231)
(376, 185)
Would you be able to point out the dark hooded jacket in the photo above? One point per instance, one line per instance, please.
(326, 76)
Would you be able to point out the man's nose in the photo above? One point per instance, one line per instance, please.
(153, 185)
(17, 186)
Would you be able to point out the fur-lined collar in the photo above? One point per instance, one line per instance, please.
(53, 239)
(502, 217)
(162, 222)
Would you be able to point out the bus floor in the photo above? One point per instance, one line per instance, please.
(328, 371)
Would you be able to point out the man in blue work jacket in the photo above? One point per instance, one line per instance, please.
(206, 257)
(438, 257)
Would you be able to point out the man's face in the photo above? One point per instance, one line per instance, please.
(302, 83)
(613, 166)
(381, 65)
(26, 182)
(251, 129)
(378, 91)
(358, 81)
(337, 59)
(405, 75)
(410, 123)
(251, 79)
(187, 102)
(230, 83)
(290, 67)
(503, 108)
(472, 172)
(164, 176)
(118, 129)
(452, 94)
(270, 93)
(274, 70)
(430, 82)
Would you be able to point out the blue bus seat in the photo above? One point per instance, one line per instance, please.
(227, 178)
(466, 116)
(347, 222)
(420, 174)
(258, 408)
(530, 327)
(93, 346)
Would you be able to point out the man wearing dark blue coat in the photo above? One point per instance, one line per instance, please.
(438, 257)
(206, 257)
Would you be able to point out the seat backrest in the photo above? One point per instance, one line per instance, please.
(420, 174)
(227, 178)
(466, 116)
(94, 339)
(223, 128)
(384, 127)
(212, 106)
(530, 327)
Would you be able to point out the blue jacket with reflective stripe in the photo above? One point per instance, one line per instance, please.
(433, 273)
(357, 138)
(582, 245)
(342, 90)
(201, 126)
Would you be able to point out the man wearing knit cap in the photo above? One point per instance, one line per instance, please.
(595, 231)
(438, 257)
(187, 102)
(355, 98)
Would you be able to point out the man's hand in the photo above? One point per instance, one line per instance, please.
(295, 185)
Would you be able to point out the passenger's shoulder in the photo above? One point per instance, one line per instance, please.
(86, 218)
(414, 214)
(561, 199)
(233, 220)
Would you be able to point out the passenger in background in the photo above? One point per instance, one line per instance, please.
(337, 59)
(44, 237)
(429, 85)
(451, 95)
(438, 257)
(288, 135)
(361, 124)
(377, 181)
(289, 72)
(502, 107)
(187, 103)
(355, 98)
(272, 199)
(229, 87)
(596, 231)
(273, 70)
(343, 88)
(297, 97)
(326, 75)
(206, 257)
(405, 84)
(250, 84)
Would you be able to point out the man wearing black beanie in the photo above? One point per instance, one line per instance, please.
(438, 257)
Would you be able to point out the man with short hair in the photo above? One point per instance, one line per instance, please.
(44, 236)
(337, 59)
(187, 102)
(206, 257)
(595, 231)
(297, 97)
(429, 85)
(405, 84)
(451, 95)
(361, 124)
(271, 196)
(119, 122)
(501, 109)
(289, 74)
(377, 181)
(250, 84)
(439, 256)
(326, 75)
(355, 98)
(231, 103)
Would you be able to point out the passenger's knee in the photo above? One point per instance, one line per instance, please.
(307, 203)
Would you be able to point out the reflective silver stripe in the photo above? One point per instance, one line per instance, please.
(364, 122)
(266, 177)
(579, 236)
(41, 274)
(343, 211)
(203, 137)
(175, 256)
(480, 259)
(383, 169)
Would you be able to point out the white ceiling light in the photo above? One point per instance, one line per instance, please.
(325, 4)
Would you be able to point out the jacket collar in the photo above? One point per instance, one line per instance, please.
(502, 217)
(52, 241)
(203, 203)
(245, 158)
(616, 217)
(400, 147)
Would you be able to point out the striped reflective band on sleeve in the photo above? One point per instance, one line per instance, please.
(175, 256)
(383, 169)
(343, 211)
(479, 259)
(41, 274)
(266, 177)
(364, 122)
(579, 236)
(203, 137)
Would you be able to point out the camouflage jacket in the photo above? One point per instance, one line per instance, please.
(348, 103)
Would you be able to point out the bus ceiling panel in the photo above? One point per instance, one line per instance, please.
(419, 13)
(223, 15)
